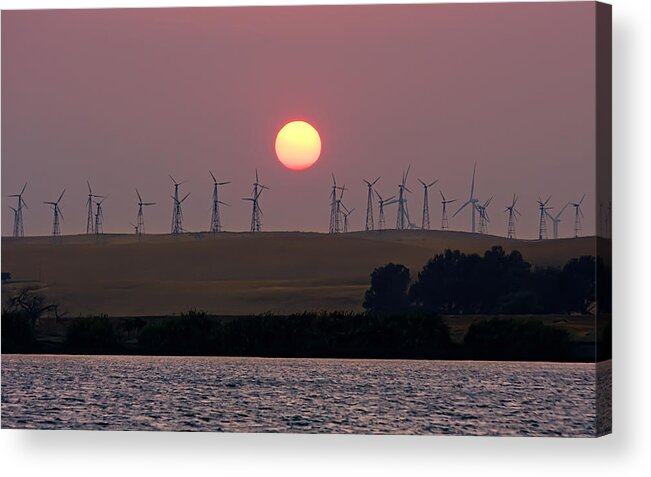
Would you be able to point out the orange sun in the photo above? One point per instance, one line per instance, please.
(298, 145)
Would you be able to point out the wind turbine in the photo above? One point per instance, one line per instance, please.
(425, 223)
(402, 219)
(513, 217)
(382, 203)
(256, 212)
(578, 213)
(99, 218)
(177, 213)
(90, 221)
(335, 212)
(215, 220)
(444, 215)
(346, 213)
(556, 220)
(56, 230)
(140, 220)
(472, 201)
(542, 228)
(369, 204)
(15, 219)
(18, 213)
(483, 216)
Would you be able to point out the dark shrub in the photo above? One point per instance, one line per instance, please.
(509, 339)
(190, 334)
(94, 334)
(17, 332)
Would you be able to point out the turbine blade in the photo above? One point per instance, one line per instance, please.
(461, 208)
(24, 187)
(442, 196)
(373, 183)
(213, 176)
(582, 197)
(472, 186)
(89, 189)
(61, 196)
(138, 193)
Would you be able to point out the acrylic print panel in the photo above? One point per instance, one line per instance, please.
(383, 219)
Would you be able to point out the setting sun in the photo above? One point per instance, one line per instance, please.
(298, 145)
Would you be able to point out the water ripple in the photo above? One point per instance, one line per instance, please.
(299, 395)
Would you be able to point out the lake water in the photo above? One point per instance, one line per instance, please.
(297, 395)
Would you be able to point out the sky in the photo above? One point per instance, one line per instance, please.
(124, 97)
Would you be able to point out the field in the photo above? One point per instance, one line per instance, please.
(236, 273)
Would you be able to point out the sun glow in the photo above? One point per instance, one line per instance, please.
(298, 145)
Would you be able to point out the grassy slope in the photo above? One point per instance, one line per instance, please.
(237, 273)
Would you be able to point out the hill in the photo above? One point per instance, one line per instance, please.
(237, 273)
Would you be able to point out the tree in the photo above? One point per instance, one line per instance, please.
(449, 283)
(501, 275)
(388, 291)
(31, 304)
(578, 278)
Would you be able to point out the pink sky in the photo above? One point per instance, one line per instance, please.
(125, 97)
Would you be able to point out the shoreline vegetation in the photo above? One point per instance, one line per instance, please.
(493, 306)
(559, 338)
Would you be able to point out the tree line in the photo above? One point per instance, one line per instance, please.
(493, 283)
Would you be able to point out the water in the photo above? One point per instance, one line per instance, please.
(297, 395)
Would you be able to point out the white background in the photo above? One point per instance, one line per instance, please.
(626, 452)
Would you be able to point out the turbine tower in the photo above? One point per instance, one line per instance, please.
(382, 203)
(346, 213)
(425, 223)
(335, 212)
(256, 212)
(513, 217)
(472, 201)
(444, 215)
(140, 221)
(215, 220)
(556, 220)
(578, 213)
(18, 213)
(369, 204)
(99, 218)
(542, 228)
(56, 230)
(483, 216)
(90, 219)
(402, 219)
(177, 213)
